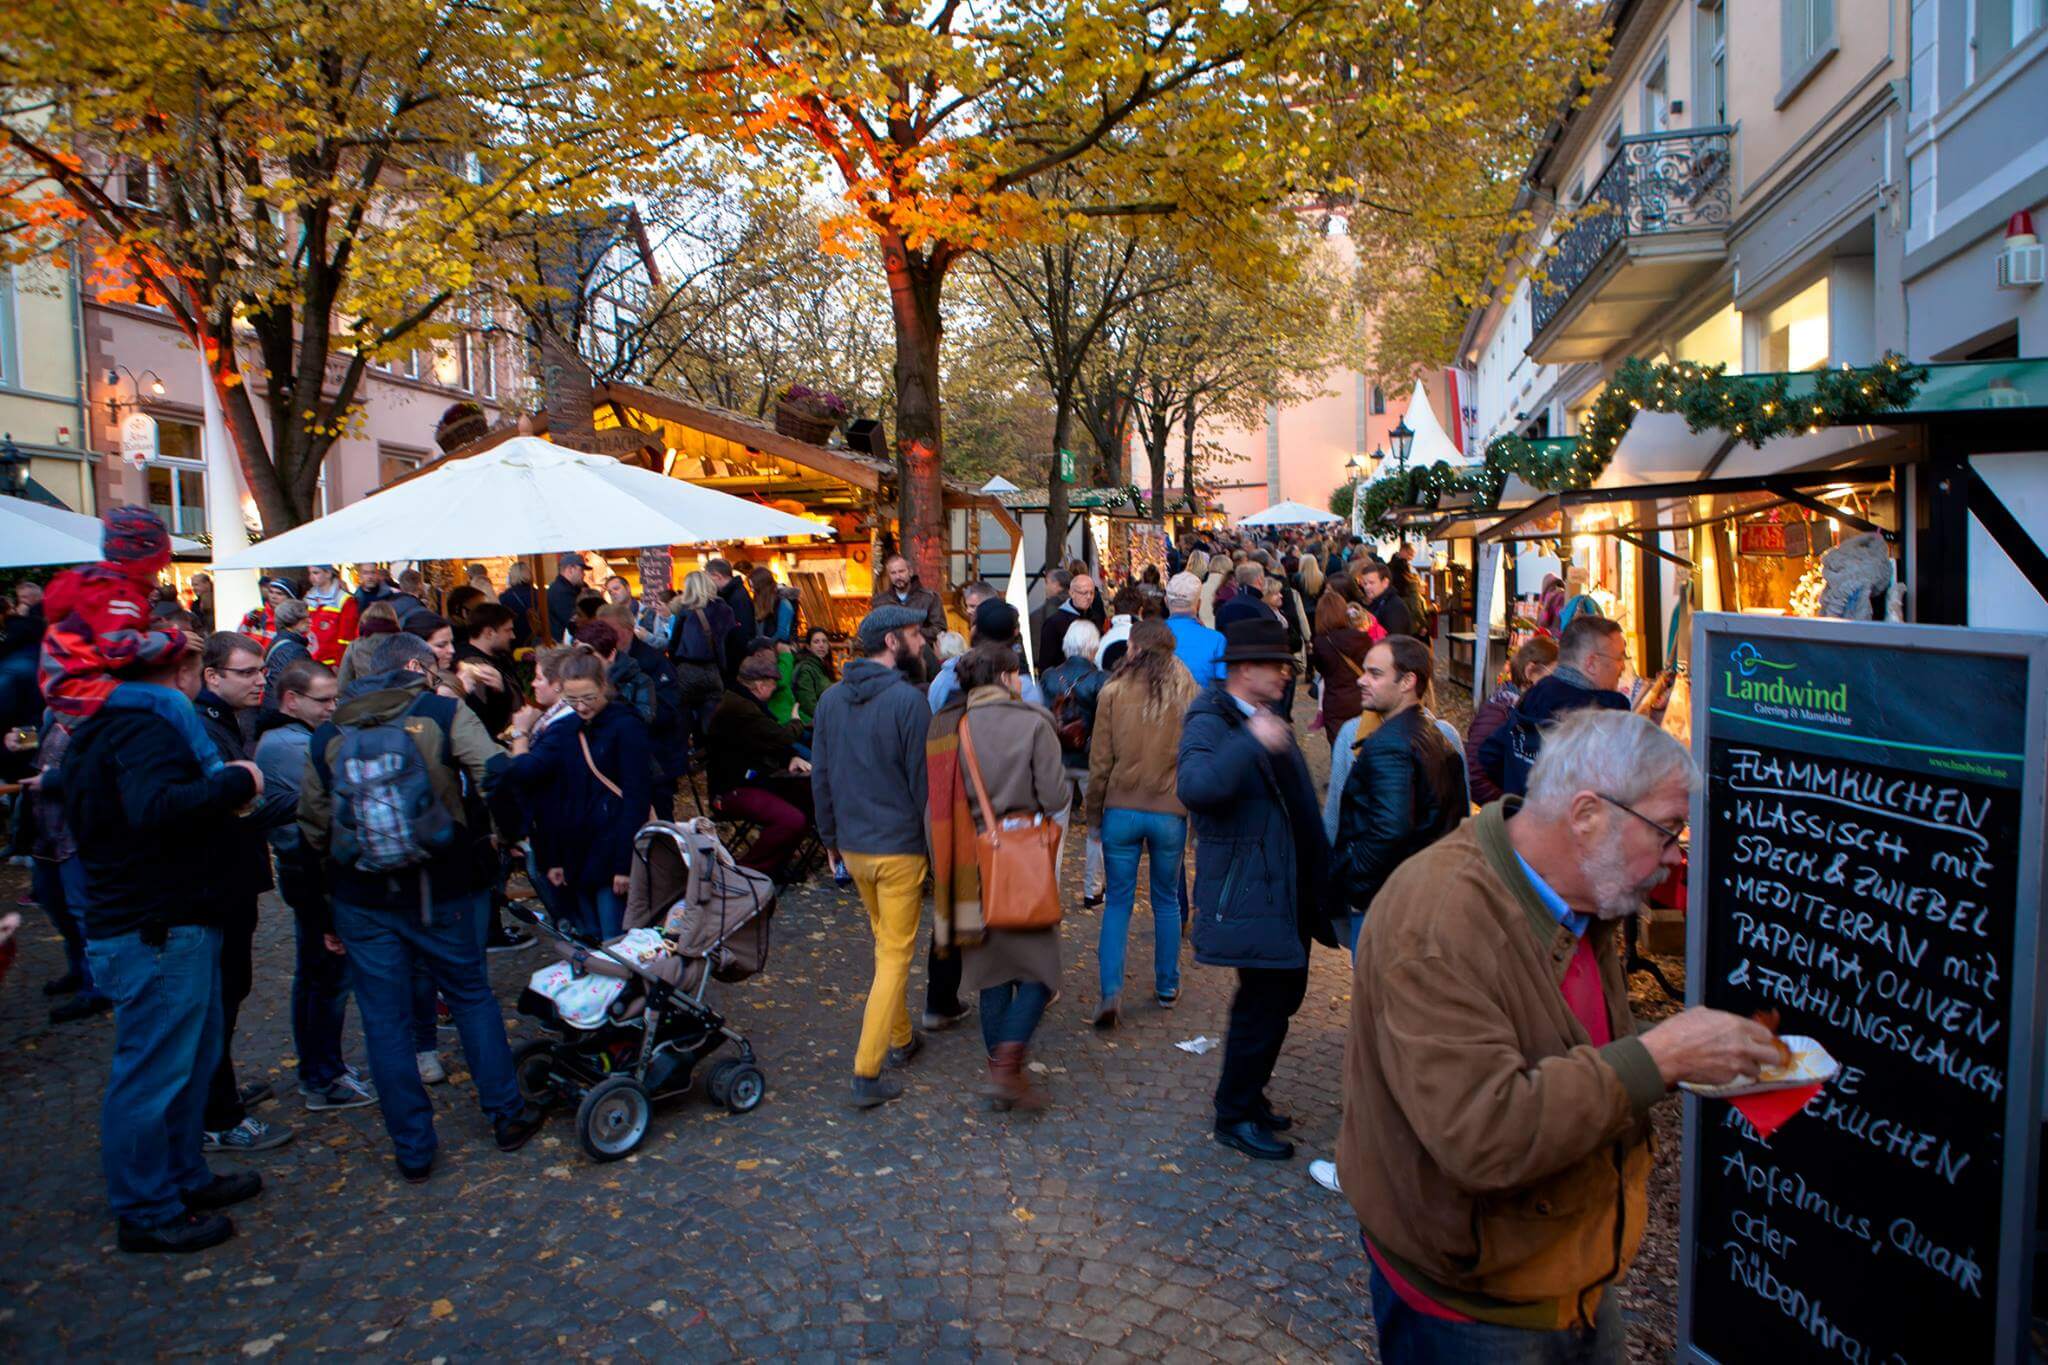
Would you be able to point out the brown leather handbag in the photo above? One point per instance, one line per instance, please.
(1018, 856)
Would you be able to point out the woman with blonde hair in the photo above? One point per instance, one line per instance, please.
(1219, 570)
(1131, 803)
(696, 645)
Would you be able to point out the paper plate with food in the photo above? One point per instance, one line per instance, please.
(1802, 1061)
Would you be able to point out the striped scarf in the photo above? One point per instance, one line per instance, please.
(956, 875)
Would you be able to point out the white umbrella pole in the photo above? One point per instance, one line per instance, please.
(234, 590)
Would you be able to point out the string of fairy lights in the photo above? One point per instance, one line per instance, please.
(1753, 408)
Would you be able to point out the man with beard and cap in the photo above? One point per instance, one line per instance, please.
(1496, 1092)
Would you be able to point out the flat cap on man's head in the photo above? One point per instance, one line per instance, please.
(876, 625)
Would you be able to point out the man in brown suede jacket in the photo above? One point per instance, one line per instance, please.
(1495, 1144)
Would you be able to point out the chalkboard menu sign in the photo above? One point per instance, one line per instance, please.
(1866, 861)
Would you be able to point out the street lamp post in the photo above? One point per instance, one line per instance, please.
(13, 467)
(1402, 440)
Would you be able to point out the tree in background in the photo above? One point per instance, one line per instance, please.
(306, 188)
(941, 121)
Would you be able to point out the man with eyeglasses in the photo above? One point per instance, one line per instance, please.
(1496, 1137)
(1592, 655)
(232, 672)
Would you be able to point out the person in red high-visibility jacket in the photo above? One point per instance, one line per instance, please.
(331, 623)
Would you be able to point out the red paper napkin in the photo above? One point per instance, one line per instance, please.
(1768, 1111)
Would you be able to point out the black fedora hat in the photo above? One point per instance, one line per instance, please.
(1254, 641)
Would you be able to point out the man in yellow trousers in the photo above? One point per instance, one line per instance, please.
(868, 787)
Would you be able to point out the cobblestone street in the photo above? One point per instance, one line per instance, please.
(1110, 1228)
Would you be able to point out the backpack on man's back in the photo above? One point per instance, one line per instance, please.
(389, 813)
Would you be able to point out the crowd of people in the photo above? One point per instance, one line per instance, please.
(396, 763)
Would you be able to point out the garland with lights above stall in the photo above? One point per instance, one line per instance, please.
(1753, 408)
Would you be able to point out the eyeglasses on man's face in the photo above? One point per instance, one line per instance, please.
(583, 701)
(1671, 836)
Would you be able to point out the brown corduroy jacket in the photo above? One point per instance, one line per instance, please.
(1493, 1155)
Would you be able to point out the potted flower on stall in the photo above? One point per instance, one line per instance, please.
(809, 414)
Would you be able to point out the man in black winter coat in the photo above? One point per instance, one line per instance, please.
(1387, 606)
(732, 590)
(562, 595)
(1591, 657)
(1260, 864)
(239, 872)
(149, 819)
(1406, 788)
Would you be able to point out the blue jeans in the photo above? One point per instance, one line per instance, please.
(598, 911)
(426, 1035)
(1411, 1338)
(1126, 833)
(59, 887)
(1010, 1012)
(167, 1027)
(1352, 925)
(383, 946)
(319, 1007)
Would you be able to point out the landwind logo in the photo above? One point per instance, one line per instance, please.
(1754, 678)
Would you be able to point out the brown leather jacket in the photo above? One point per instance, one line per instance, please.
(1496, 1157)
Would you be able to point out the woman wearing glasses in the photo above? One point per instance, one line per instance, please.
(585, 785)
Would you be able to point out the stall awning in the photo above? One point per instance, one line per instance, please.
(1659, 449)
(1673, 506)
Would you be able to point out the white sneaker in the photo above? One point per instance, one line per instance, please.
(431, 1071)
(1324, 1173)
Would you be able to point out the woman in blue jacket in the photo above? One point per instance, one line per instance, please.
(586, 787)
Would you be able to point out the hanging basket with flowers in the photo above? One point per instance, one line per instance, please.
(809, 414)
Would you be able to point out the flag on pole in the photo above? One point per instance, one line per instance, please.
(1018, 595)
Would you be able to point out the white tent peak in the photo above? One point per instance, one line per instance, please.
(1290, 513)
(1432, 444)
(999, 484)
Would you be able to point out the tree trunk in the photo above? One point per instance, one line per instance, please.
(914, 285)
(1187, 457)
(1158, 429)
(1056, 487)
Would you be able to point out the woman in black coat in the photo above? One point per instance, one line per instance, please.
(586, 785)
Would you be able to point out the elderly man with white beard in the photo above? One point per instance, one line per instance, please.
(1495, 1143)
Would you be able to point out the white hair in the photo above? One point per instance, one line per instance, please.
(951, 645)
(1082, 638)
(1617, 753)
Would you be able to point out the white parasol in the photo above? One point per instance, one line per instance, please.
(36, 533)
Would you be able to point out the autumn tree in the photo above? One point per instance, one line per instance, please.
(306, 187)
(941, 122)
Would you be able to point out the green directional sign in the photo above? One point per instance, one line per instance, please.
(1066, 466)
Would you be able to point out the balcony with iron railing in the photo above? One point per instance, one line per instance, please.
(1658, 213)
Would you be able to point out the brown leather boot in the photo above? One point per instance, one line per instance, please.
(999, 1085)
(1009, 1061)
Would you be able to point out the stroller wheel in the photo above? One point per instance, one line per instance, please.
(718, 1081)
(613, 1118)
(744, 1088)
(533, 1069)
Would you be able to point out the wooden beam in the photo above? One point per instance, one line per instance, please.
(764, 439)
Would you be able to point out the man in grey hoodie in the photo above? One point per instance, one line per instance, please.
(868, 789)
(305, 693)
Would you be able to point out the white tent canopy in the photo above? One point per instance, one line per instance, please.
(36, 533)
(1432, 444)
(1290, 514)
(527, 496)
(999, 484)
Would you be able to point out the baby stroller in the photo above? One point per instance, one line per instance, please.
(630, 1016)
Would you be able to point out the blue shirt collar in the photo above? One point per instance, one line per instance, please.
(1554, 903)
(1243, 705)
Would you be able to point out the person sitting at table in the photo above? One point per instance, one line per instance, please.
(749, 759)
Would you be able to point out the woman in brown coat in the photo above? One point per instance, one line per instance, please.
(1131, 802)
(1339, 655)
(1016, 971)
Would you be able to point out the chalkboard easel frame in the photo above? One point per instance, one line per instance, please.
(2023, 1115)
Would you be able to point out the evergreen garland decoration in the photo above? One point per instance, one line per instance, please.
(1753, 408)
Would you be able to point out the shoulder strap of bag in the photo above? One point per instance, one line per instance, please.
(1357, 669)
(988, 818)
(595, 771)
